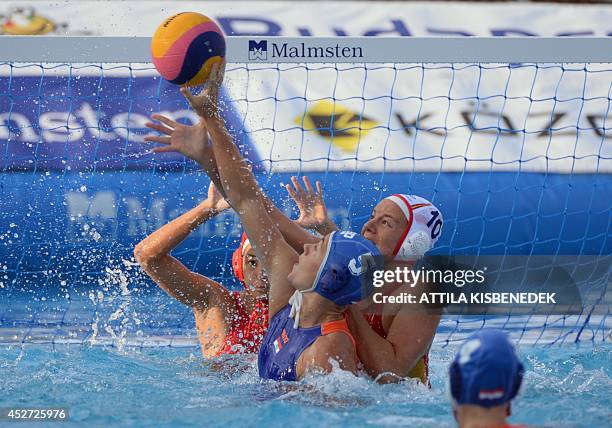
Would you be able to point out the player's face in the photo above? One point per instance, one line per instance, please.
(255, 277)
(385, 226)
(305, 270)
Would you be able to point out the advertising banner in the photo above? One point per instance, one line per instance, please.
(515, 156)
(547, 118)
(300, 18)
(92, 123)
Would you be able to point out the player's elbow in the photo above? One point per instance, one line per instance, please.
(144, 257)
(395, 369)
(241, 190)
(389, 373)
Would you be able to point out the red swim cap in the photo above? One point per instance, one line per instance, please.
(423, 229)
(238, 256)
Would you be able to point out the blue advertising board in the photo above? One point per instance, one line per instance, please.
(78, 186)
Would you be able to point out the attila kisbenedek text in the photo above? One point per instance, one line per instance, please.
(444, 278)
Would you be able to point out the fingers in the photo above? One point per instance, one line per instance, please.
(164, 149)
(166, 120)
(159, 128)
(217, 72)
(291, 192)
(215, 78)
(308, 185)
(297, 186)
(213, 75)
(156, 139)
(187, 94)
(319, 188)
(221, 72)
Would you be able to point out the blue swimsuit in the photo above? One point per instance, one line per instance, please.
(283, 344)
(342, 278)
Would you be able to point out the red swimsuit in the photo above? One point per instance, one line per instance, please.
(247, 330)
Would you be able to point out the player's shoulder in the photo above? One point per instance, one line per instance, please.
(334, 346)
(334, 339)
(337, 345)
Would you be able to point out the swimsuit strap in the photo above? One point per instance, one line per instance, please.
(375, 321)
(338, 326)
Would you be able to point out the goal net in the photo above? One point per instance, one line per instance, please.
(510, 138)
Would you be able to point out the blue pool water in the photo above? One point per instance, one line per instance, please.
(119, 353)
(164, 386)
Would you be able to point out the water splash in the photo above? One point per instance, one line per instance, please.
(124, 317)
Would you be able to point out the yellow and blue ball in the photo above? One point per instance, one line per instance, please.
(186, 46)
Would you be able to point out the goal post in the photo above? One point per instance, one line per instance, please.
(107, 49)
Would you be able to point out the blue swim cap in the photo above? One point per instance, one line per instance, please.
(343, 274)
(486, 371)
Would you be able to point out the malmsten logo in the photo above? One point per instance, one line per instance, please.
(258, 50)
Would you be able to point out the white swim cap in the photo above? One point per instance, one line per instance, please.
(423, 229)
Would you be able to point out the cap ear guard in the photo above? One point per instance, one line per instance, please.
(424, 225)
(237, 264)
(455, 380)
(334, 276)
(416, 244)
(518, 380)
(238, 256)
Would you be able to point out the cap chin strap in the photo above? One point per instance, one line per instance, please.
(298, 296)
(403, 204)
(296, 304)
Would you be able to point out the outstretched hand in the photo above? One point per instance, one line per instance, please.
(191, 141)
(206, 103)
(313, 212)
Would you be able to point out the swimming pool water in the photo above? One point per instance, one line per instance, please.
(122, 354)
(105, 386)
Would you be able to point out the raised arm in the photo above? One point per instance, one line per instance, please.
(238, 183)
(294, 233)
(245, 196)
(153, 255)
(194, 143)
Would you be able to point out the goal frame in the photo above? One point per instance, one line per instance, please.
(83, 49)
